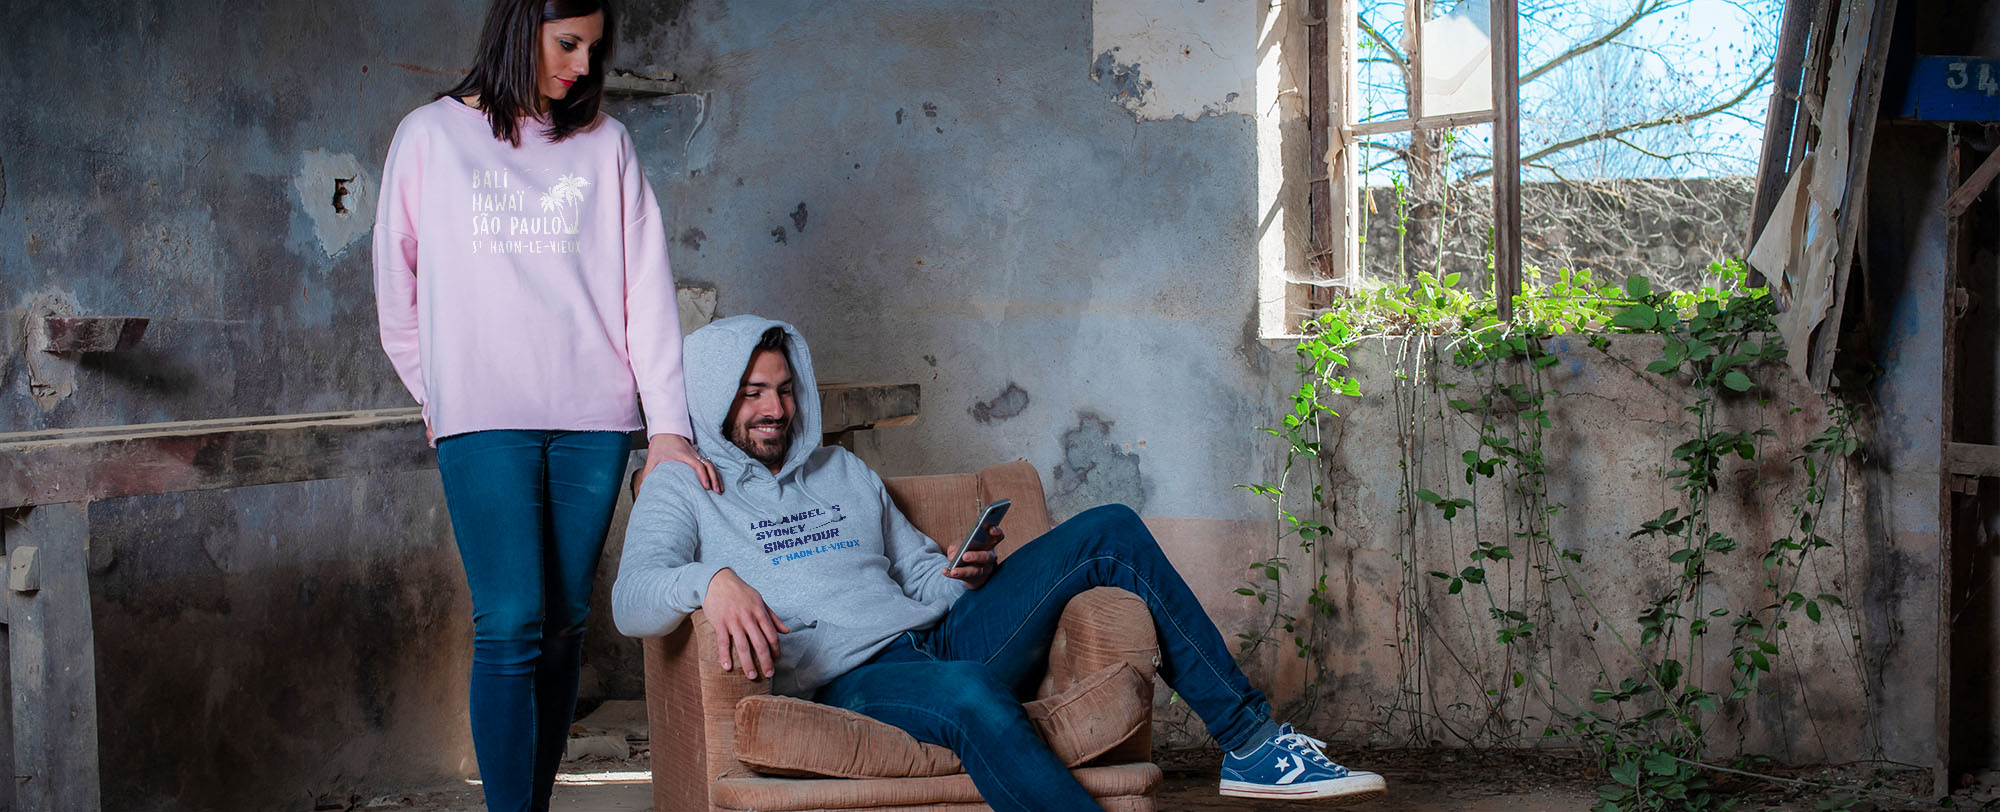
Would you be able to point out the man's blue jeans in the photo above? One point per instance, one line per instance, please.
(530, 510)
(960, 683)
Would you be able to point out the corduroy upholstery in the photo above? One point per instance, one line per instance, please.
(692, 704)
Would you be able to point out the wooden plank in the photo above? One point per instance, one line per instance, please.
(1864, 102)
(1774, 164)
(1954, 240)
(92, 333)
(1982, 178)
(631, 85)
(83, 465)
(1323, 237)
(7, 799)
(855, 406)
(1506, 154)
(1972, 459)
(52, 664)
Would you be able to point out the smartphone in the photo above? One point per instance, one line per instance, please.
(979, 539)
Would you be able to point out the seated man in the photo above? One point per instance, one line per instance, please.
(873, 621)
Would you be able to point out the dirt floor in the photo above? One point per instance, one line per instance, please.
(1419, 781)
(610, 774)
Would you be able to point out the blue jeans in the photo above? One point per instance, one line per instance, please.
(959, 684)
(529, 510)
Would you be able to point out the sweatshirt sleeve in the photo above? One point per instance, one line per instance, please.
(661, 577)
(395, 249)
(652, 314)
(915, 561)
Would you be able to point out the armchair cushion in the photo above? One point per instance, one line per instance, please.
(779, 735)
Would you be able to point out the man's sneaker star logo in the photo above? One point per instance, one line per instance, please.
(1297, 768)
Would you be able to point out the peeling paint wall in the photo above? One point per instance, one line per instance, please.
(1166, 59)
(212, 166)
(1052, 214)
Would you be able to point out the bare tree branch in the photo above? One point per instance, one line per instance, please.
(1395, 56)
(1762, 77)
(1640, 10)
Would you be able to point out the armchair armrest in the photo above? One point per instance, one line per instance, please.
(691, 708)
(1099, 628)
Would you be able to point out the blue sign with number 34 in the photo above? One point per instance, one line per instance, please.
(1953, 88)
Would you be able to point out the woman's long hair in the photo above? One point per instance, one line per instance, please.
(504, 74)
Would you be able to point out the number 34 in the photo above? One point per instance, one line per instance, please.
(1958, 75)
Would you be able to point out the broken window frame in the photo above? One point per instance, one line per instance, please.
(1333, 245)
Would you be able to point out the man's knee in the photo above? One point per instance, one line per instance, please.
(1116, 526)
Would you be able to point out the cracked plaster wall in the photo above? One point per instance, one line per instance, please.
(1062, 249)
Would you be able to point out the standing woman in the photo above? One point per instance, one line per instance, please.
(522, 284)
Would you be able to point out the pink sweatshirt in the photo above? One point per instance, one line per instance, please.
(525, 287)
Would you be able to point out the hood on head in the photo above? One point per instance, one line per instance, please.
(714, 358)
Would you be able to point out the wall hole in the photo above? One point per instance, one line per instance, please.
(340, 193)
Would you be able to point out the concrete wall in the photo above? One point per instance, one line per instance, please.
(1667, 229)
(1053, 231)
(1411, 664)
(1048, 213)
(264, 647)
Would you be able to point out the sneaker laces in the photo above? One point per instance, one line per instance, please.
(1306, 746)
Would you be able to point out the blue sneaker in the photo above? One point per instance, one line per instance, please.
(1292, 765)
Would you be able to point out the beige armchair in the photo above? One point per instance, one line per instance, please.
(721, 742)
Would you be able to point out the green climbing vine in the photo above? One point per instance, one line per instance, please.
(1667, 675)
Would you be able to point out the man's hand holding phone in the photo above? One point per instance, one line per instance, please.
(746, 630)
(973, 559)
(976, 565)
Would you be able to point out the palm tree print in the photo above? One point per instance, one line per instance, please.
(567, 192)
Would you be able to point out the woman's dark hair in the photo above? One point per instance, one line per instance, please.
(505, 77)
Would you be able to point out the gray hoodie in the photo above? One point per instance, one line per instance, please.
(833, 557)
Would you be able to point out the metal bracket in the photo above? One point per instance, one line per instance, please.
(24, 569)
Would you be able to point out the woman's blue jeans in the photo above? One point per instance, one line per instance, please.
(530, 510)
(960, 683)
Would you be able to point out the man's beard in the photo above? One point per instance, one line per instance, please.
(769, 452)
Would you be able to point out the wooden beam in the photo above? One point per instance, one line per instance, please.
(1774, 164)
(1506, 154)
(52, 664)
(857, 406)
(85, 465)
(1972, 459)
(1324, 238)
(1982, 178)
(92, 333)
(1866, 106)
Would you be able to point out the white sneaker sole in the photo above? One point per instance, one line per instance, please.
(1352, 789)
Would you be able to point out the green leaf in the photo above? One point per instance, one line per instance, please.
(1812, 610)
(1638, 287)
(1626, 773)
(1636, 317)
(1737, 380)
